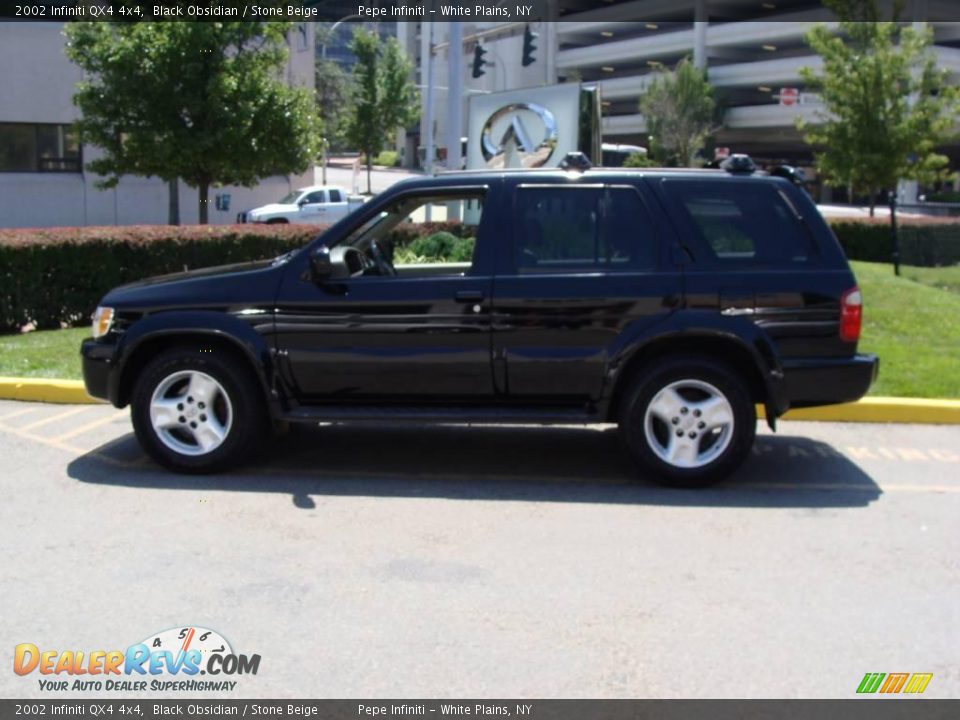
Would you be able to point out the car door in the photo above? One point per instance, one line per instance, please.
(413, 337)
(336, 207)
(313, 208)
(584, 273)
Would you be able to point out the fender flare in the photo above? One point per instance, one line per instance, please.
(688, 328)
(193, 325)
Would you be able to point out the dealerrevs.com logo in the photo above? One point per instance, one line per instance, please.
(168, 661)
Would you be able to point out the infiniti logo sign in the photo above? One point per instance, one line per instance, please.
(527, 136)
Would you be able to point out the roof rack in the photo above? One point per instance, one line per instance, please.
(575, 161)
(739, 163)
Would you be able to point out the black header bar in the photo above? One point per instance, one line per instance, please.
(873, 708)
(370, 10)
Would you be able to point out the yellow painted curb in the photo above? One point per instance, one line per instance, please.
(49, 390)
(883, 410)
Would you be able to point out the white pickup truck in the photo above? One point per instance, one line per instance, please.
(316, 205)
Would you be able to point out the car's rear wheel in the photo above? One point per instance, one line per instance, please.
(689, 422)
(198, 412)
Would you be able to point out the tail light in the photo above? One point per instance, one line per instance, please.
(851, 315)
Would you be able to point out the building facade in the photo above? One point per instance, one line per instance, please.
(43, 181)
(752, 52)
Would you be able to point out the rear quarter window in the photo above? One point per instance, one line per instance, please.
(740, 224)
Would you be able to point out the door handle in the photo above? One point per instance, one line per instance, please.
(468, 296)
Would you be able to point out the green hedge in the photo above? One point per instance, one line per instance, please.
(921, 244)
(944, 197)
(55, 277)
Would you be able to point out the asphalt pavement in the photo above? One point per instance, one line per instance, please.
(525, 562)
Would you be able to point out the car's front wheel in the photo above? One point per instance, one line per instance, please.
(690, 422)
(197, 412)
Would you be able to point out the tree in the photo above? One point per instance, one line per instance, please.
(199, 101)
(679, 108)
(384, 97)
(886, 107)
(333, 99)
(638, 160)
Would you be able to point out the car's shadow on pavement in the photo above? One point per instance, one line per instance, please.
(539, 464)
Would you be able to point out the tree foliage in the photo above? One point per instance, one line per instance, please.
(680, 110)
(201, 101)
(886, 106)
(384, 97)
(333, 101)
(639, 160)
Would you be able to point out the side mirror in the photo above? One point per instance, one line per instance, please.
(301, 203)
(321, 263)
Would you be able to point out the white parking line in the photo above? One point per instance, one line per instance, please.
(91, 425)
(18, 413)
(59, 416)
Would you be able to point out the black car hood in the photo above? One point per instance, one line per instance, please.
(224, 286)
(207, 272)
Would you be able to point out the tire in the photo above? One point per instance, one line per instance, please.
(688, 421)
(277, 221)
(217, 429)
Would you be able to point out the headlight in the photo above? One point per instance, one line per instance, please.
(102, 321)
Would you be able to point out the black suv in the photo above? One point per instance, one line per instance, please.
(669, 302)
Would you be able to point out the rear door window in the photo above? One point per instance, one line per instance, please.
(735, 223)
(314, 198)
(582, 229)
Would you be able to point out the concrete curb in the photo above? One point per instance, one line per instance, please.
(50, 390)
(883, 410)
(868, 410)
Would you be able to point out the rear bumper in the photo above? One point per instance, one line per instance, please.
(821, 381)
(98, 365)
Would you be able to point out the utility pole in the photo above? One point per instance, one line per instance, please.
(454, 95)
(428, 160)
(700, 23)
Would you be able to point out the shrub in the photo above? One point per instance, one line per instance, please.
(927, 243)
(388, 158)
(639, 160)
(406, 233)
(54, 277)
(436, 248)
(944, 197)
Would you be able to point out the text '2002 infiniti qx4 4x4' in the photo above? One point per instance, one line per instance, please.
(668, 302)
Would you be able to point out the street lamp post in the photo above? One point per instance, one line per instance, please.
(331, 31)
(894, 235)
(323, 60)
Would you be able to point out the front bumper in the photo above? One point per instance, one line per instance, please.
(822, 381)
(98, 365)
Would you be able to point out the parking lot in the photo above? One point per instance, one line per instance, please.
(511, 562)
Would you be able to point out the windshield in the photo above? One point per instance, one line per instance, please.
(291, 198)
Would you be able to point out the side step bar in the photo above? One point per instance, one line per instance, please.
(391, 413)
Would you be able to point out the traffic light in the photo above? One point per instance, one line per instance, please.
(478, 61)
(528, 47)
